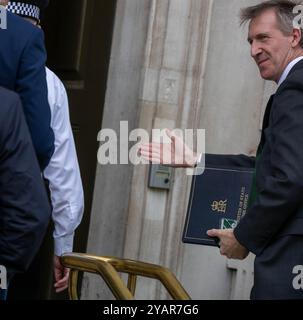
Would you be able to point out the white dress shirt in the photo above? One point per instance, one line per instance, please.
(63, 171)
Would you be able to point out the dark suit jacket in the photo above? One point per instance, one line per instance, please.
(24, 206)
(278, 209)
(22, 69)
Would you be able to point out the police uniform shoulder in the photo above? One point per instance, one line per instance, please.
(19, 24)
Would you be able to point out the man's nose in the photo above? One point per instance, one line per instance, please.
(255, 50)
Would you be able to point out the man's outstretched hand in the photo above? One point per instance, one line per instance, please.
(229, 246)
(174, 154)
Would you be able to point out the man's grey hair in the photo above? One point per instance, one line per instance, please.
(284, 12)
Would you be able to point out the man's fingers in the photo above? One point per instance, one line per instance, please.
(149, 153)
(214, 233)
(62, 280)
(150, 146)
(58, 274)
(223, 253)
(62, 284)
(58, 290)
(151, 158)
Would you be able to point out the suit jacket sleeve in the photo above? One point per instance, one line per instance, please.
(32, 87)
(282, 190)
(229, 161)
(24, 207)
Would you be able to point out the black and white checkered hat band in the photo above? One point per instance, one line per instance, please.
(24, 9)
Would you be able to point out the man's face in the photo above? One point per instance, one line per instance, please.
(270, 48)
(4, 2)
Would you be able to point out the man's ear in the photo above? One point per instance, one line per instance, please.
(297, 35)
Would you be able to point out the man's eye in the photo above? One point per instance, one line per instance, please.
(264, 38)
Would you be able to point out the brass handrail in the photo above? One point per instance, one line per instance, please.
(108, 268)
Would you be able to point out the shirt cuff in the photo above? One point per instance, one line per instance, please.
(64, 245)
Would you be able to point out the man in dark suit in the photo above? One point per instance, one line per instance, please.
(24, 206)
(22, 69)
(273, 226)
(272, 229)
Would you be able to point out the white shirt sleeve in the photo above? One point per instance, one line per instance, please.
(63, 171)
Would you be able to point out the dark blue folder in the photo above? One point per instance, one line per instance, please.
(218, 200)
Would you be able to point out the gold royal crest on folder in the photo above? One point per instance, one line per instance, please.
(219, 206)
